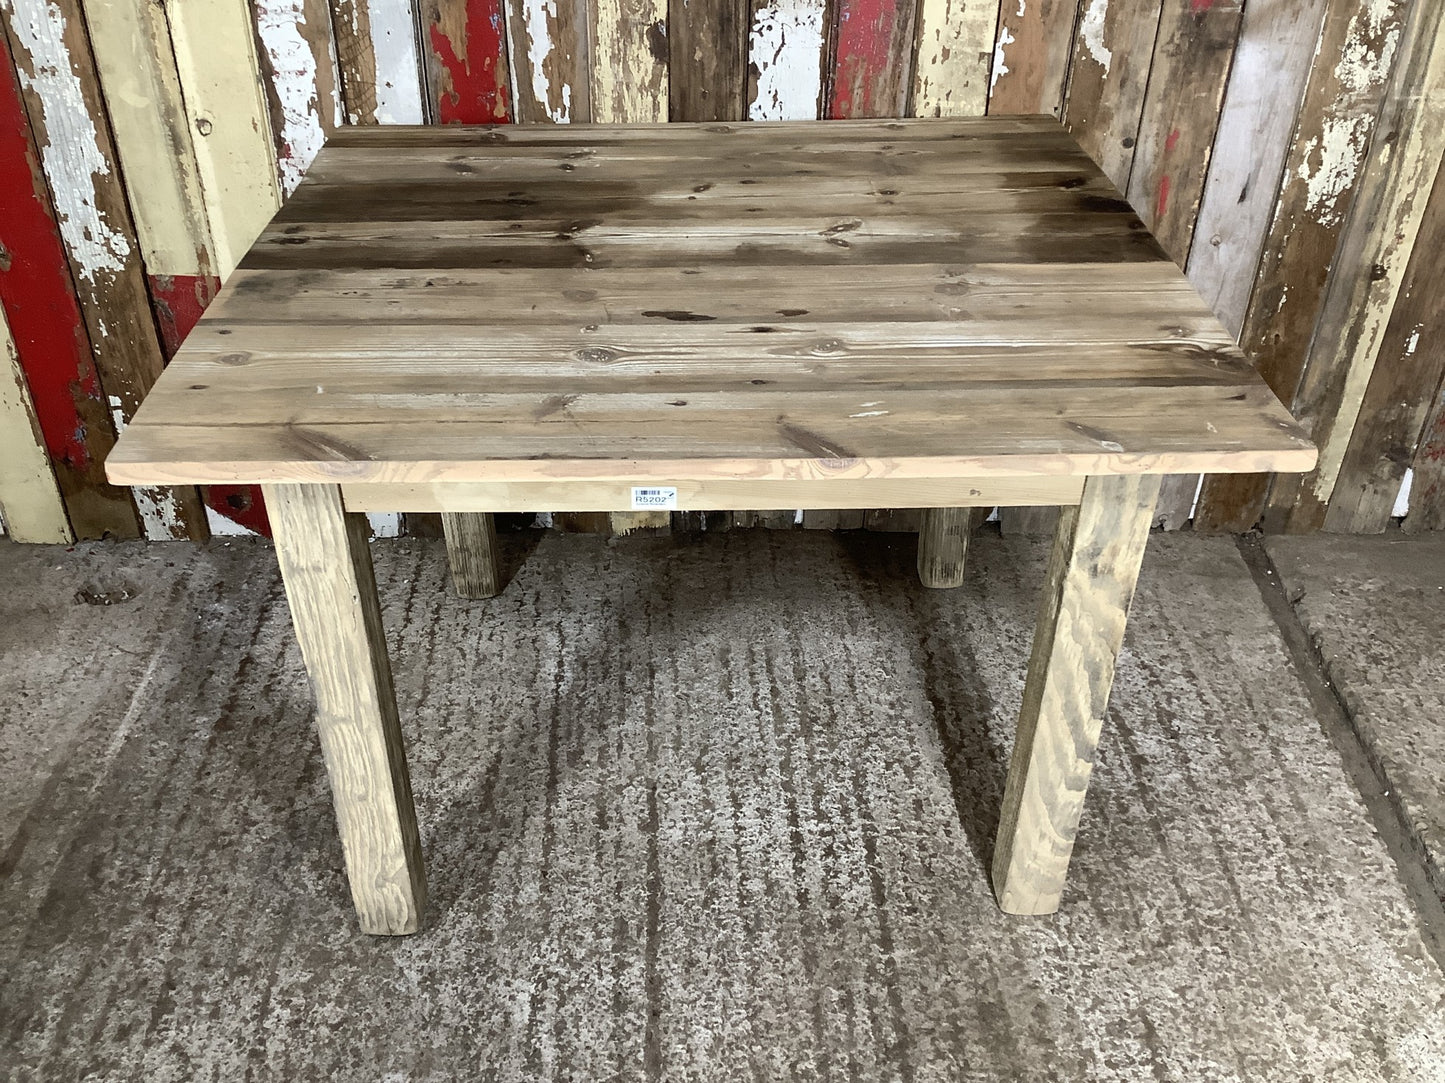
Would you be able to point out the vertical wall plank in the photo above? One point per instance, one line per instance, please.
(138, 77)
(1410, 367)
(1427, 495)
(1370, 265)
(1113, 48)
(466, 61)
(29, 498)
(630, 62)
(301, 82)
(707, 45)
(1271, 64)
(1192, 56)
(550, 49)
(225, 104)
(955, 51)
(62, 97)
(49, 332)
(787, 48)
(873, 44)
(377, 63)
(1331, 136)
(1031, 56)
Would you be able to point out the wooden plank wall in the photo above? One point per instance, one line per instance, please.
(1286, 152)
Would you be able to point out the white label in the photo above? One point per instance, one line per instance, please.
(659, 498)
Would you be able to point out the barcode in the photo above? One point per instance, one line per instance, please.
(644, 499)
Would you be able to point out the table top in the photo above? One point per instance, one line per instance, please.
(909, 299)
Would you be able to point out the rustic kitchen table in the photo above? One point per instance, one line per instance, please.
(936, 314)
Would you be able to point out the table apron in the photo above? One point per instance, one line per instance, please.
(724, 494)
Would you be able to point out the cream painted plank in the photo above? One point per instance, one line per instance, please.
(30, 502)
(225, 103)
(786, 51)
(153, 138)
(715, 494)
(629, 65)
(955, 50)
(326, 567)
(1090, 581)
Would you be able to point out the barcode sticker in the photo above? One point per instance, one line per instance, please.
(660, 498)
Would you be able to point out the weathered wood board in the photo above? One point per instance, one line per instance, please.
(30, 502)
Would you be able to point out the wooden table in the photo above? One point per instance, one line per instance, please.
(938, 314)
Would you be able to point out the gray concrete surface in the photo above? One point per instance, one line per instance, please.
(1375, 609)
(693, 811)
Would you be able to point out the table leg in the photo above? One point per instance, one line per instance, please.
(326, 566)
(472, 551)
(943, 544)
(1098, 547)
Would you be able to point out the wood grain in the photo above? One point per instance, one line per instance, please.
(823, 495)
(50, 335)
(61, 89)
(551, 46)
(707, 48)
(465, 59)
(472, 553)
(954, 52)
(1427, 496)
(1030, 67)
(326, 566)
(1332, 134)
(630, 62)
(872, 52)
(702, 340)
(1090, 581)
(1113, 50)
(1192, 57)
(1272, 61)
(1407, 372)
(1390, 200)
(943, 535)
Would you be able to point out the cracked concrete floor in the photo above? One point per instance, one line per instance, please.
(693, 810)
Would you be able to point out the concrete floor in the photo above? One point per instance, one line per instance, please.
(1375, 609)
(711, 811)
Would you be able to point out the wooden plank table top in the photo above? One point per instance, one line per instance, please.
(896, 299)
(940, 314)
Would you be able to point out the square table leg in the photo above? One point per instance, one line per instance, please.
(1097, 551)
(326, 566)
(472, 551)
(943, 544)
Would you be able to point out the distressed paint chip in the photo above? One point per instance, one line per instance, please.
(1091, 33)
(280, 25)
(71, 151)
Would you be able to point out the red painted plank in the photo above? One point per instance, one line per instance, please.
(49, 330)
(872, 52)
(468, 62)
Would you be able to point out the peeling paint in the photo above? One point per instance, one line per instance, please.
(280, 25)
(1091, 33)
(1332, 160)
(160, 514)
(786, 47)
(71, 148)
(473, 60)
(1000, 65)
(393, 40)
(538, 17)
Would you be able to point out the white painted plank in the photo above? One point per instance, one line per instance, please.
(786, 48)
(955, 49)
(398, 64)
(306, 94)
